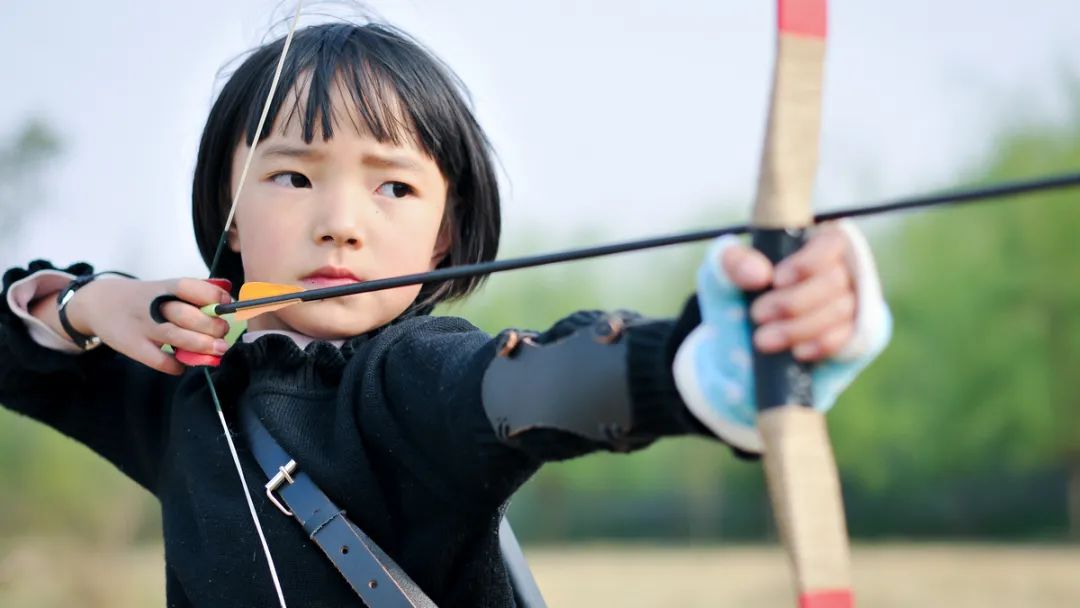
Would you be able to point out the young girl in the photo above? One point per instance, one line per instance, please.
(420, 428)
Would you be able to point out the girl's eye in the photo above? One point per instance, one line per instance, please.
(395, 189)
(291, 179)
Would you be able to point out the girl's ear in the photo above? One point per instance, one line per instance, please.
(234, 238)
(443, 242)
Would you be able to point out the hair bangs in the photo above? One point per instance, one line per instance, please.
(350, 71)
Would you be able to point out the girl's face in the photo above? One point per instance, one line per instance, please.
(332, 212)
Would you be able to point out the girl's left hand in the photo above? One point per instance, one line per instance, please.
(811, 306)
(824, 303)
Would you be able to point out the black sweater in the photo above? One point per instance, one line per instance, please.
(391, 426)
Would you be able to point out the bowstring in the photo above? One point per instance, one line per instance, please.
(213, 266)
(255, 141)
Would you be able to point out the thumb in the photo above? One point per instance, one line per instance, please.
(747, 268)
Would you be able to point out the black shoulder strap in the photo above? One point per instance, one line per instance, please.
(526, 591)
(373, 574)
(375, 577)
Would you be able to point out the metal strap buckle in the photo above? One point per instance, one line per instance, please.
(284, 474)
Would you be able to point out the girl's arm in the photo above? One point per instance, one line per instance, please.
(482, 417)
(488, 412)
(102, 398)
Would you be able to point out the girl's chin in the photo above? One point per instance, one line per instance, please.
(336, 318)
(334, 325)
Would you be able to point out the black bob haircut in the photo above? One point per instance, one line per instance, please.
(400, 91)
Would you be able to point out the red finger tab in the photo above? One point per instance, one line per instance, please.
(803, 17)
(191, 359)
(837, 598)
(225, 284)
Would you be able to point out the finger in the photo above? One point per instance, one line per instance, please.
(825, 248)
(199, 292)
(188, 340)
(806, 295)
(156, 305)
(150, 355)
(747, 268)
(782, 335)
(826, 346)
(187, 316)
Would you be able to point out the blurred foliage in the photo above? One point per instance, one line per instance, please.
(968, 425)
(978, 392)
(21, 161)
(53, 485)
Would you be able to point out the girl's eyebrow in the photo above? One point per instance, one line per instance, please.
(370, 159)
(291, 151)
(391, 161)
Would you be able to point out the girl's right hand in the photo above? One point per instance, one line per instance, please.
(117, 310)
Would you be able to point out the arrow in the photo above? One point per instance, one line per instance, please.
(257, 298)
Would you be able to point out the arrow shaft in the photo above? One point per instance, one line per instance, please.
(959, 197)
(996, 191)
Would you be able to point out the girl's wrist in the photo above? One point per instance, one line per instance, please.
(73, 312)
(77, 308)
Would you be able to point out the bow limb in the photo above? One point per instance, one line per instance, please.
(800, 468)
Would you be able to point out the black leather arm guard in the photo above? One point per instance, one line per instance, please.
(593, 381)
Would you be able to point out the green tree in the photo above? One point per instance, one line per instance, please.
(984, 370)
(53, 484)
(21, 163)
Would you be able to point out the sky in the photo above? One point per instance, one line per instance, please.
(610, 118)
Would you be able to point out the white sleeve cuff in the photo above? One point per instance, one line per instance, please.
(25, 291)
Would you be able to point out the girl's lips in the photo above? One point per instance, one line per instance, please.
(321, 281)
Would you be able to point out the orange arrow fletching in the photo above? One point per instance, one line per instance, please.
(256, 290)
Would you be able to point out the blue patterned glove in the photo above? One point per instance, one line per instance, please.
(713, 366)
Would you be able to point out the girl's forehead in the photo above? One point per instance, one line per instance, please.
(350, 135)
(340, 108)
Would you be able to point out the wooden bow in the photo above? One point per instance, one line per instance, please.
(799, 466)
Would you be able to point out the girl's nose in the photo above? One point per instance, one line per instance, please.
(340, 223)
(340, 238)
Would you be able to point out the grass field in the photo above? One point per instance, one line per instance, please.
(46, 574)
(886, 576)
